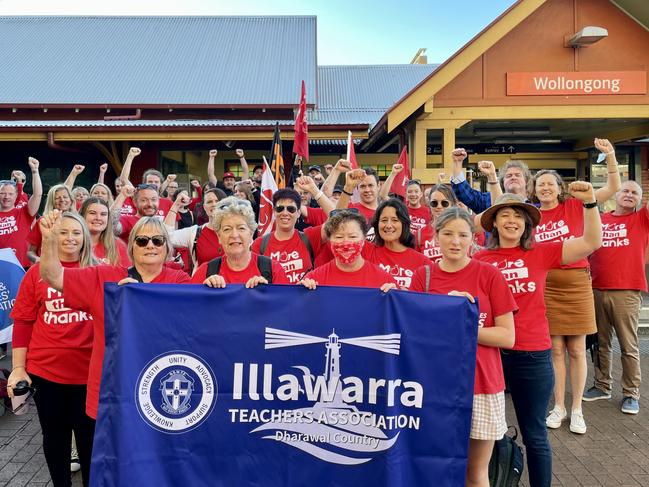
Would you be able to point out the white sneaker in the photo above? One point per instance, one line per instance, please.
(75, 466)
(556, 417)
(577, 423)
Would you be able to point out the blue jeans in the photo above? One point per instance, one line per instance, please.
(530, 379)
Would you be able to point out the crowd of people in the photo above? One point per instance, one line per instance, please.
(544, 265)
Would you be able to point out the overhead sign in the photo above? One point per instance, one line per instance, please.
(577, 83)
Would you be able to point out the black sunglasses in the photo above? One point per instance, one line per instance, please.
(290, 209)
(443, 203)
(414, 181)
(348, 210)
(143, 241)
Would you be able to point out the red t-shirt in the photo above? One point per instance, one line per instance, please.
(58, 338)
(84, 290)
(292, 254)
(208, 246)
(127, 222)
(128, 208)
(22, 198)
(368, 213)
(122, 250)
(400, 265)
(419, 217)
(241, 277)
(482, 281)
(370, 275)
(164, 205)
(315, 216)
(564, 221)
(35, 237)
(525, 271)
(14, 228)
(620, 262)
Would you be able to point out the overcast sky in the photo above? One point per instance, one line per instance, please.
(349, 32)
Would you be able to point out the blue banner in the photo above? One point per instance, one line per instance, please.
(281, 386)
(11, 274)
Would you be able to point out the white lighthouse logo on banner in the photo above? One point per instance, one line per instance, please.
(333, 429)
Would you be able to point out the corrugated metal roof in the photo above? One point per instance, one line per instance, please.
(337, 118)
(157, 60)
(370, 87)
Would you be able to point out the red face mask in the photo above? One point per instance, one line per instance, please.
(347, 252)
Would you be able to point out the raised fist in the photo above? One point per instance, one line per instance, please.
(50, 224)
(582, 191)
(306, 183)
(397, 168)
(458, 155)
(604, 146)
(182, 199)
(128, 190)
(171, 178)
(239, 153)
(487, 168)
(33, 164)
(343, 165)
(195, 183)
(103, 168)
(78, 169)
(355, 176)
(213, 153)
(441, 178)
(134, 152)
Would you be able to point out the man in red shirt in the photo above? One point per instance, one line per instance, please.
(367, 181)
(146, 201)
(618, 275)
(15, 223)
(154, 177)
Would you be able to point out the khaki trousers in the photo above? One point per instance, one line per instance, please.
(618, 310)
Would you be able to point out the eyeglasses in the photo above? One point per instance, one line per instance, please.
(290, 209)
(442, 203)
(143, 240)
(348, 210)
(414, 181)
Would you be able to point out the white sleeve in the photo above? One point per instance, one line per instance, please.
(183, 237)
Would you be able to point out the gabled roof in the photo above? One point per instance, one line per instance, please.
(217, 61)
(447, 71)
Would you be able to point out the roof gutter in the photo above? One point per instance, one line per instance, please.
(137, 116)
(51, 143)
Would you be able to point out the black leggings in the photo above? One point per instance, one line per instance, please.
(62, 410)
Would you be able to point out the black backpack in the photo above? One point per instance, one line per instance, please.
(506, 464)
(264, 264)
(5, 402)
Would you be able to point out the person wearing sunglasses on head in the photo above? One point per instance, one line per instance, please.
(234, 222)
(52, 344)
(419, 212)
(15, 223)
(148, 248)
(293, 249)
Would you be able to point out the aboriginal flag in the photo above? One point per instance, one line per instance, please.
(277, 160)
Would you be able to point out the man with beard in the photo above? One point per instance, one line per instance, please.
(514, 178)
(618, 273)
(146, 199)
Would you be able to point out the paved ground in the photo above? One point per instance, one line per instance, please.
(614, 451)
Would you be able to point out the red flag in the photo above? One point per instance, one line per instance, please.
(301, 140)
(277, 160)
(268, 187)
(400, 181)
(351, 154)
